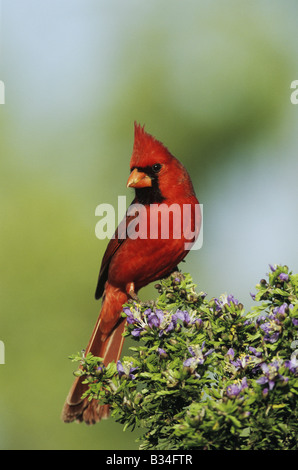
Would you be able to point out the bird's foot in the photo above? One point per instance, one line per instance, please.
(130, 290)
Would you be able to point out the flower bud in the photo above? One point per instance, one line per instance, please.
(198, 323)
(99, 371)
(138, 398)
(191, 298)
(170, 296)
(173, 341)
(127, 403)
(162, 353)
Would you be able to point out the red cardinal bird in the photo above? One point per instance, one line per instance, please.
(141, 252)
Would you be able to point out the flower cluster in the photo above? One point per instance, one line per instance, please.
(234, 390)
(142, 321)
(205, 374)
(245, 360)
(272, 324)
(198, 356)
(223, 300)
(282, 276)
(271, 375)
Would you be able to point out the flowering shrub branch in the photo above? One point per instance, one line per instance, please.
(203, 374)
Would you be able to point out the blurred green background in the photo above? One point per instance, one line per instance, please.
(211, 79)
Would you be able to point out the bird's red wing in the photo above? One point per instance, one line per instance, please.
(113, 245)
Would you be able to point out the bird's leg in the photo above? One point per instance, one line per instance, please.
(130, 290)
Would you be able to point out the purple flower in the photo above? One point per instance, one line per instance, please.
(198, 356)
(272, 338)
(231, 299)
(242, 362)
(292, 364)
(253, 296)
(142, 321)
(137, 318)
(231, 353)
(163, 354)
(125, 370)
(266, 327)
(254, 351)
(131, 375)
(130, 318)
(182, 315)
(155, 319)
(186, 318)
(271, 375)
(120, 368)
(223, 300)
(264, 380)
(272, 268)
(281, 309)
(235, 389)
(136, 332)
(134, 315)
(163, 321)
(170, 326)
(271, 325)
(245, 361)
(284, 277)
(295, 321)
(147, 312)
(261, 319)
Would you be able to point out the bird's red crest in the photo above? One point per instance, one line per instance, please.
(146, 149)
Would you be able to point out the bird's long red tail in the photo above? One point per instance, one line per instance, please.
(106, 341)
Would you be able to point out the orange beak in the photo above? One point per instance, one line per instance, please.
(138, 179)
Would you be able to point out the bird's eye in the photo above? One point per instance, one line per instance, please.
(156, 167)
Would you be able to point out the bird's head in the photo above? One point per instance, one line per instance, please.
(156, 174)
